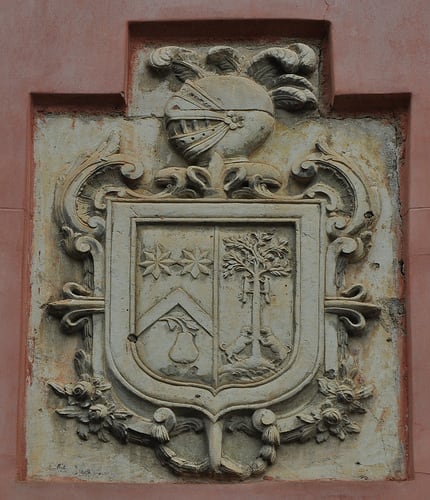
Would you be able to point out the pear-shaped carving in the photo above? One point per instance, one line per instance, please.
(184, 349)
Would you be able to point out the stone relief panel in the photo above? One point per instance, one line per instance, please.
(216, 278)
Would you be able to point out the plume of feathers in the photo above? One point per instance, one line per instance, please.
(178, 60)
(282, 70)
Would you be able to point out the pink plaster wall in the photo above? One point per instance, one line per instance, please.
(80, 46)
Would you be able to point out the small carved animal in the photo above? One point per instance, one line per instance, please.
(236, 347)
(279, 350)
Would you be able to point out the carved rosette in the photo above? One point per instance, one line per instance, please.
(223, 111)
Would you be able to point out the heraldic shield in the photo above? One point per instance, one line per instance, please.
(221, 301)
(214, 296)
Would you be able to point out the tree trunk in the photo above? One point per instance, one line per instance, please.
(256, 318)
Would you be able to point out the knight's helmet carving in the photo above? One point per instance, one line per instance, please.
(227, 104)
(230, 115)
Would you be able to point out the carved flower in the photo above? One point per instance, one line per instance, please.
(331, 416)
(81, 390)
(345, 392)
(88, 404)
(334, 421)
(233, 120)
(156, 262)
(97, 419)
(346, 389)
(100, 418)
(97, 413)
(343, 396)
(329, 420)
(82, 393)
(195, 262)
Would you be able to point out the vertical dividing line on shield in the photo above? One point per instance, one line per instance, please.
(215, 312)
(132, 271)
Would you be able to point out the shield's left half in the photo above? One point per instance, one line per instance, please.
(174, 293)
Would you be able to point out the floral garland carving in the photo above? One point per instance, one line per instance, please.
(344, 396)
(89, 403)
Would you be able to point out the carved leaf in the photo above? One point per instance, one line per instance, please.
(242, 424)
(364, 392)
(94, 427)
(122, 414)
(189, 323)
(160, 433)
(82, 431)
(326, 387)
(172, 323)
(352, 427)
(199, 177)
(301, 434)
(340, 434)
(181, 320)
(356, 407)
(59, 389)
(164, 453)
(187, 425)
(309, 419)
(108, 147)
(342, 370)
(81, 363)
(322, 436)
(178, 464)
(102, 385)
(271, 435)
(279, 272)
(70, 411)
(307, 432)
(119, 431)
(268, 453)
(103, 436)
(258, 467)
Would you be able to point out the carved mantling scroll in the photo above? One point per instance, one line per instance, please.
(223, 111)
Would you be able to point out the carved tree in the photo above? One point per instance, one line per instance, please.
(257, 256)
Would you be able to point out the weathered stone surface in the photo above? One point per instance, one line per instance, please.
(230, 277)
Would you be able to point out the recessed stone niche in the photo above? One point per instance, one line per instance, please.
(215, 277)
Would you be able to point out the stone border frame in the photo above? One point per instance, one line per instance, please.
(416, 212)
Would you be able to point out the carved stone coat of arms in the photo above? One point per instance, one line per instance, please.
(219, 294)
